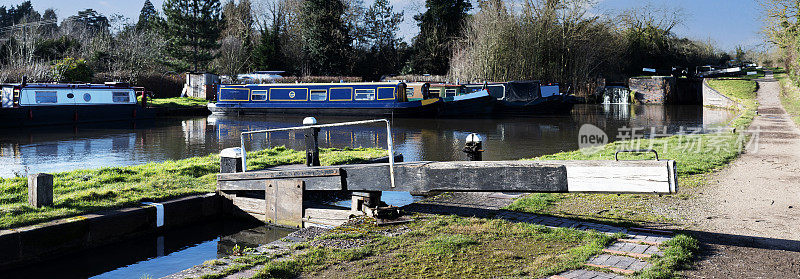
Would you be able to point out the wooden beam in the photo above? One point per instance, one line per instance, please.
(480, 176)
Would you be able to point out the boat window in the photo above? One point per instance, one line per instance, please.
(46, 97)
(410, 92)
(258, 95)
(319, 95)
(121, 97)
(450, 92)
(365, 94)
(435, 92)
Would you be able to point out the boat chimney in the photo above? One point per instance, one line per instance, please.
(24, 80)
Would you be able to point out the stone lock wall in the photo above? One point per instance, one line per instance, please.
(653, 90)
(715, 99)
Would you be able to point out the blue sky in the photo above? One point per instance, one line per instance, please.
(728, 23)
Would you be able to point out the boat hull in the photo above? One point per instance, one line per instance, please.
(474, 107)
(552, 105)
(60, 115)
(397, 112)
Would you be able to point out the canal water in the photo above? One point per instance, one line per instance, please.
(55, 149)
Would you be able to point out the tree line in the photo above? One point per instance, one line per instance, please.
(549, 40)
(782, 30)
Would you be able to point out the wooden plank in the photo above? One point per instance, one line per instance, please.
(331, 183)
(328, 215)
(284, 202)
(250, 205)
(656, 177)
(284, 173)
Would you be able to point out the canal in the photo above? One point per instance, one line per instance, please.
(55, 149)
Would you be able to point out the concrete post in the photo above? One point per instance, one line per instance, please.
(230, 160)
(474, 148)
(312, 142)
(40, 190)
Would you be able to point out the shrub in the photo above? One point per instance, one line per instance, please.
(72, 70)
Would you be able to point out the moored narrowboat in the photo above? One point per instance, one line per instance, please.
(456, 101)
(526, 98)
(33, 104)
(370, 98)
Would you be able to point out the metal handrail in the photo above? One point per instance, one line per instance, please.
(389, 144)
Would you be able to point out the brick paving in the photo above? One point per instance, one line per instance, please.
(586, 274)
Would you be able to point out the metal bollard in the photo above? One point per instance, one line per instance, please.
(312, 142)
(230, 160)
(474, 148)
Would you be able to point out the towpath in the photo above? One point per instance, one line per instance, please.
(749, 215)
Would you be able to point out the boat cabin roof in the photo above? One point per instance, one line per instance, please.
(69, 85)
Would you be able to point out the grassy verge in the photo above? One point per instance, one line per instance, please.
(444, 247)
(790, 97)
(695, 155)
(82, 191)
(678, 254)
(176, 102)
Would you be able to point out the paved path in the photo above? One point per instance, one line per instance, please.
(750, 212)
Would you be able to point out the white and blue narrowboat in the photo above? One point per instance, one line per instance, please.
(32, 104)
(457, 101)
(369, 98)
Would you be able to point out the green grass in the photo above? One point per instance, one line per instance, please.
(447, 247)
(790, 97)
(83, 191)
(176, 102)
(678, 254)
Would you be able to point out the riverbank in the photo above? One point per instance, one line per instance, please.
(83, 191)
(178, 106)
(176, 102)
(696, 155)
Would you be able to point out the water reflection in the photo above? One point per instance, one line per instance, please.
(54, 149)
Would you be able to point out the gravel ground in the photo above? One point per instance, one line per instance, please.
(748, 216)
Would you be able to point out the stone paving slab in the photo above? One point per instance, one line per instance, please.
(634, 248)
(586, 274)
(619, 262)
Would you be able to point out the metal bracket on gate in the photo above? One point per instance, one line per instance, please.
(616, 154)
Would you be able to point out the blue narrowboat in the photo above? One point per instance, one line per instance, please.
(368, 98)
(33, 104)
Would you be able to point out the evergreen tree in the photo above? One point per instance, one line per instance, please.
(381, 24)
(325, 36)
(148, 17)
(267, 54)
(439, 26)
(191, 28)
(51, 25)
(87, 20)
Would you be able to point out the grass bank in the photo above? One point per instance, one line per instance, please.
(176, 102)
(696, 155)
(790, 97)
(83, 191)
